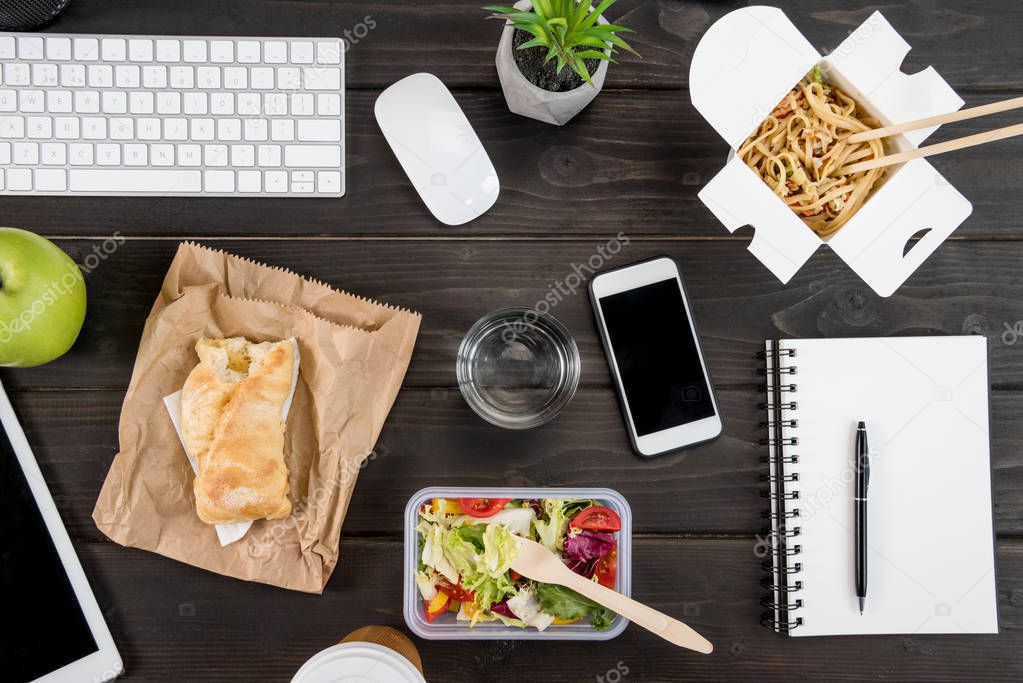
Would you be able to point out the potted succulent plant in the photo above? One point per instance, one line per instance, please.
(543, 37)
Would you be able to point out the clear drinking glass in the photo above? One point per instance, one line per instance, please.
(518, 367)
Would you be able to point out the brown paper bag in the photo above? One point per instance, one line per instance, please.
(354, 353)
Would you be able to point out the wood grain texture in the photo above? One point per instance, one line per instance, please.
(173, 621)
(964, 288)
(632, 161)
(432, 439)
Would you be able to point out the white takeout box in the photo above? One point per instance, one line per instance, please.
(743, 67)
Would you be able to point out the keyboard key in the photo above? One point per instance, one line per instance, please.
(302, 104)
(136, 155)
(275, 52)
(44, 74)
(58, 49)
(175, 129)
(5, 152)
(7, 47)
(275, 181)
(208, 77)
(86, 102)
(203, 129)
(8, 101)
(219, 181)
(141, 102)
(12, 127)
(134, 180)
(312, 156)
(328, 181)
(140, 50)
(81, 154)
(39, 127)
(322, 78)
(236, 77)
(328, 104)
(101, 76)
(262, 78)
(221, 51)
(127, 76)
(108, 154)
(115, 102)
(229, 129)
(248, 104)
(162, 155)
(66, 128)
(275, 104)
(194, 50)
(19, 179)
(269, 155)
(72, 75)
(54, 154)
(182, 77)
(195, 103)
(26, 153)
(51, 180)
(122, 129)
(168, 51)
(256, 129)
(215, 155)
(250, 181)
(168, 103)
(302, 52)
(243, 155)
(114, 50)
(289, 78)
(94, 128)
(282, 130)
(86, 49)
(190, 155)
(148, 128)
(222, 103)
(30, 47)
(319, 130)
(328, 53)
(248, 52)
(32, 101)
(154, 76)
(16, 74)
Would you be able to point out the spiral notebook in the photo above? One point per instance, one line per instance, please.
(931, 562)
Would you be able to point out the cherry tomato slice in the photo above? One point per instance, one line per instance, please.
(454, 592)
(597, 518)
(607, 569)
(482, 507)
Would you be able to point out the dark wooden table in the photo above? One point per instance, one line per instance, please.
(632, 162)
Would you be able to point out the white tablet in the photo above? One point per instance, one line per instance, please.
(56, 630)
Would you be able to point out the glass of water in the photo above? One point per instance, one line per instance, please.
(518, 367)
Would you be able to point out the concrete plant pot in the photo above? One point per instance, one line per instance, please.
(526, 99)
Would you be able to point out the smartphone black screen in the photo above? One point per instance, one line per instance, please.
(657, 357)
(46, 628)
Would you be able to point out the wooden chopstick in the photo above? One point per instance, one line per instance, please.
(931, 150)
(952, 117)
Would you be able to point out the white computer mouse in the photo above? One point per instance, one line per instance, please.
(438, 148)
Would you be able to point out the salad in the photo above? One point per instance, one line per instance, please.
(467, 545)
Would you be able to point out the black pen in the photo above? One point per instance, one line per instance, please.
(860, 501)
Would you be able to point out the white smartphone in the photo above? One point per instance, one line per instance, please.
(646, 325)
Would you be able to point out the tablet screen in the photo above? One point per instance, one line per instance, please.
(46, 628)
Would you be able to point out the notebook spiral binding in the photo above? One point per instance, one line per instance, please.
(782, 491)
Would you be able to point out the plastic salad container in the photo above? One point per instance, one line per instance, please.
(446, 627)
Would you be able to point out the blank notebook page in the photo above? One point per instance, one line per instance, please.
(931, 546)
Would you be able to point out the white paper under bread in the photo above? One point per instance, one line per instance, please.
(228, 533)
(742, 68)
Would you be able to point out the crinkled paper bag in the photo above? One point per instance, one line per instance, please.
(354, 354)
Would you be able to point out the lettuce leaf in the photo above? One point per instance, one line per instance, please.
(565, 603)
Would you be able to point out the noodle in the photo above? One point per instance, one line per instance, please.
(799, 151)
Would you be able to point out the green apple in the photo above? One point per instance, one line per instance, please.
(42, 299)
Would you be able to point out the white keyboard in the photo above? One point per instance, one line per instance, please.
(171, 116)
